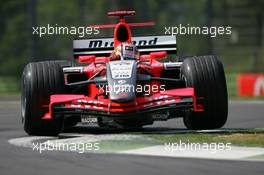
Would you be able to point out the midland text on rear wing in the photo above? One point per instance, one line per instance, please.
(104, 46)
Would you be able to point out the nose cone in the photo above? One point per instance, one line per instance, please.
(121, 77)
(122, 97)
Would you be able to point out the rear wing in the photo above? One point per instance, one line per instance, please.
(105, 46)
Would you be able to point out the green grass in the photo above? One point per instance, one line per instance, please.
(9, 86)
(250, 138)
(231, 84)
(123, 145)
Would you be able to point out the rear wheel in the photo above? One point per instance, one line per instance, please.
(206, 75)
(39, 81)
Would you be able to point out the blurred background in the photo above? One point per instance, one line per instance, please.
(242, 51)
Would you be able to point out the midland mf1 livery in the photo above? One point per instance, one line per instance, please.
(122, 82)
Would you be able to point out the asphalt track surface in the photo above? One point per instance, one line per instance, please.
(19, 160)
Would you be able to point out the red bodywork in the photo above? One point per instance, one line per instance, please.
(95, 102)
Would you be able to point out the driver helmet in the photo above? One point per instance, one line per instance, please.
(129, 52)
(125, 51)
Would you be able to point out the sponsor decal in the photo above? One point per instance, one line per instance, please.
(104, 43)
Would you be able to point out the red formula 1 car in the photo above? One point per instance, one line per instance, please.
(120, 82)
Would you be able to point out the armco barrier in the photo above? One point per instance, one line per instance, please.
(250, 84)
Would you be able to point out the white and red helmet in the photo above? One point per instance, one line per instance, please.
(127, 51)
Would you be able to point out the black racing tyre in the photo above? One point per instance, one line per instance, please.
(39, 81)
(206, 75)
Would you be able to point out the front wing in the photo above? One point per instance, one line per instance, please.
(175, 99)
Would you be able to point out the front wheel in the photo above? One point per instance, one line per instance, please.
(206, 75)
(39, 81)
